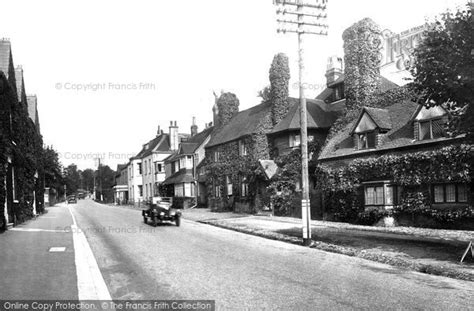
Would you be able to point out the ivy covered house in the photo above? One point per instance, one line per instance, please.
(389, 155)
(240, 156)
(21, 146)
(385, 155)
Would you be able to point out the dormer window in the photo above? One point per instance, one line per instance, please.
(429, 122)
(371, 123)
(366, 140)
(431, 129)
(295, 140)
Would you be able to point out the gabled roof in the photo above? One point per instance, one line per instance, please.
(200, 137)
(244, 123)
(381, 118)
(187, 148)
(318, 115)
(400, 133)
(190, 146)
(160, 143)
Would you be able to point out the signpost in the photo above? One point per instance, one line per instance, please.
(469, 247)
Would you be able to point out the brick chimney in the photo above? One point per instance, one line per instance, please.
(158, 131)
(174, 136)
(335, 69)
(194, 128)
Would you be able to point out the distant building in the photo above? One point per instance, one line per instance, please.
(121, 184)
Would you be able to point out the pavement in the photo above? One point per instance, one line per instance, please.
(424, 250)
(29, 269)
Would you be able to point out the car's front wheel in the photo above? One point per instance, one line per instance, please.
(178, 221)
(145, 220)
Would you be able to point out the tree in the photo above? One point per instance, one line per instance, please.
(444, 67)
(279, 83)
(264, 94)
(52, 169)
(72, 179)
(105, 180)
(87, 178)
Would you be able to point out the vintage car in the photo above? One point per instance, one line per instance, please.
(159, 211)
(71, 199)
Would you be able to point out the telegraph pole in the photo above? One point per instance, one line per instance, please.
(310, 19)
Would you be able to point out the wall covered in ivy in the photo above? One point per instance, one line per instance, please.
(343, 188)
(26, 153)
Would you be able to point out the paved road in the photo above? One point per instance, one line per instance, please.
(239, 271)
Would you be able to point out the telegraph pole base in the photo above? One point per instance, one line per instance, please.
(306, 242)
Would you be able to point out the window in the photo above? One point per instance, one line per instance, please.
(217, 191)
(431, 129)
(149, 167)
(216, 156)
(295, 140)
(158, 167)
(229, 185)
(244, 187)
(366, 140)
(189, 162)
(139, 168)
(140, 190)
(381, 194)
(450, 193)
(178, 190)
(243, 148)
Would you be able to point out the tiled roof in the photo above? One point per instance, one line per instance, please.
(318, 115)
(159, 143)
(381, 117)
(121, 167)
(326, 94)
(399, 135)
(181, 176)
(187, 147)
(244, 123)
(200, 137)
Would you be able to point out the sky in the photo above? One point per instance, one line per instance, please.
(108, 73)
